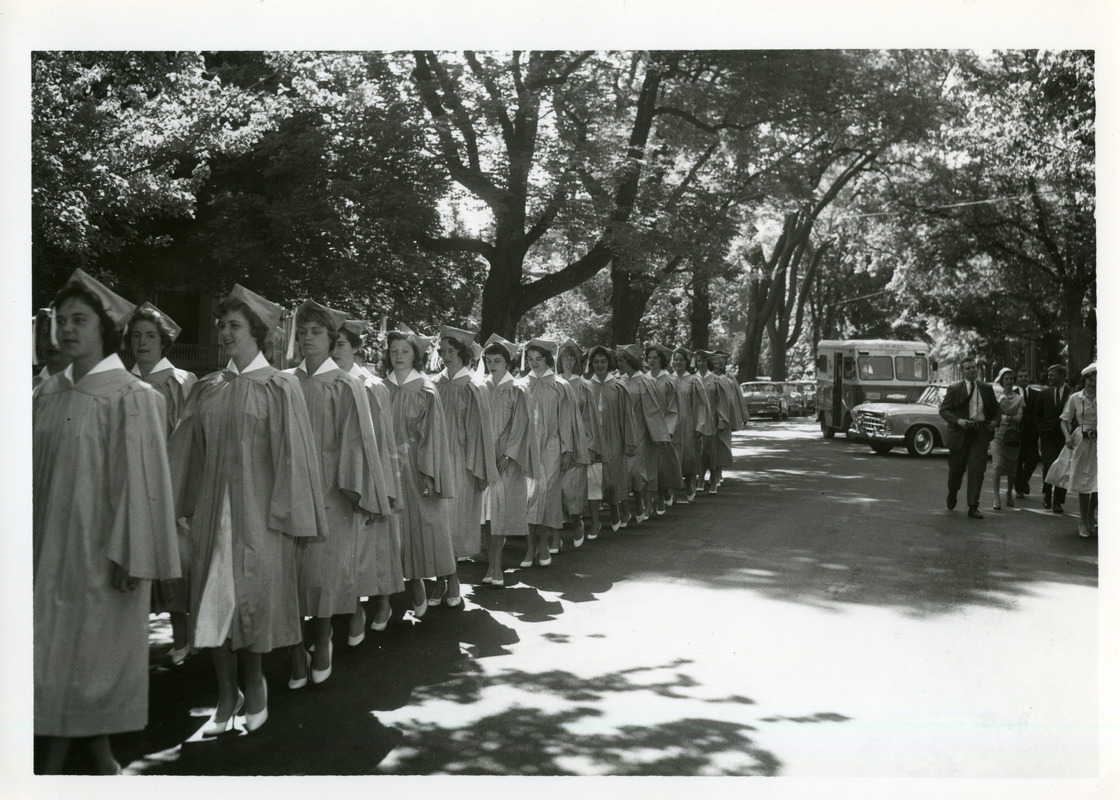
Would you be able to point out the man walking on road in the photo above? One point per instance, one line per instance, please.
(972, 411)
(1048, 412)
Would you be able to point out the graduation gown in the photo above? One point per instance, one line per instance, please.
(669, 474)
(353, 489)
(470, 443)
(513, 437)
(246, 472)
(617, 432)
(379, 560)
(554, 425)
(426, 549)
(650, 429)
(175, 385)
(102, 496)
(694, 423)
(573, 480)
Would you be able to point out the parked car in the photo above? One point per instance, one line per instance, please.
(765, 398)
(918, 425)
(808, 390)
(795, 397)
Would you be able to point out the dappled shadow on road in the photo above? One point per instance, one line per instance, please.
(639, 721)
(830, 524)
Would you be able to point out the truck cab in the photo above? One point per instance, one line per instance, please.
(854, 371)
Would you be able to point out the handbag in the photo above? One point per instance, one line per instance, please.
(1012, 437)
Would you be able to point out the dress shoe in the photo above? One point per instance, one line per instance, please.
(691, 496)
(996, 506)
(528, 562)
(498, 583)
(215, 728)
(615, 526)
(420, 610)
(299, 683)
(254, 720)
(1083, 530)
(380, 626)
(178, 656)
(974, 513)
(320, 675)
(578, 543)
(669, 501)
(1020, 495)
(454, 601)
(593, 534)
(951, 501)
(436, 597)
(487, 579)
(1046, 502)
(354, 641)
(1057, 509)
(1010, 501)
(544, 562)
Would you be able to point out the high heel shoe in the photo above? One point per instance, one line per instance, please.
(996, 506)
(436, 597)
(299, 683)
(380, 626)
(253, 721)
(1010, 501)
(528, 562)
(593, 534)
(420, 610)
(356, 639)
(215, 728)
(616, 525)
(320, 675)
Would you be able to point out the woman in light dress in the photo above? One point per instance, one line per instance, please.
(1079, 426)
(1006, 456)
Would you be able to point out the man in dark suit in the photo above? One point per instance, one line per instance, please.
(1028, 450)
(972, 411)
(1051, 440)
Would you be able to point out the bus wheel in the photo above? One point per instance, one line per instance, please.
(920, 441)
(826, 431)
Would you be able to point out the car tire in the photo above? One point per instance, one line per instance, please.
(882, 448)
(826, 431)
(920, 440)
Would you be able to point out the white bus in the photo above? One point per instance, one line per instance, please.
(854, 371)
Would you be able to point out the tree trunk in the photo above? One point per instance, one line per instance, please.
(700, 315)
(630, 295)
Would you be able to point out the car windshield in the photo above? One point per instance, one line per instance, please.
(762, 388)
(933, 395)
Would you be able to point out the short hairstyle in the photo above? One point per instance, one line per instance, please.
(150, 315)
(466, 354)
(396, 336)
(574, 353)
(257, 329)
(110, 334)
(311, 314)
(629, 359)
(497, 350)
(548, 358)
(599, 350)
(351, 336)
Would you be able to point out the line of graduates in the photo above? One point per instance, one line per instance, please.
(260, 503)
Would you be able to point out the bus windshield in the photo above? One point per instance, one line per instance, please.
(911, 368)
(875, 368)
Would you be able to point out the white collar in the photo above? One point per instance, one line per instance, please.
(596, 378)
(326, 366)
(547, 371)
(463, 371)
(104, 365)
(160, 366)
(507, 378)
(258, 362)
(356, 371)
(412, 376)
(44, 374)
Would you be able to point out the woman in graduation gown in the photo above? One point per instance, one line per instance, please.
(573, 482)
(616, 426)
(470, 443)
(514, 445)
(554, 424)
(651, 433)
(353, 486)
(149, 335)
(695, 416)
(103, 527)
(729, 409)
(379, 563)
(669, 477)
(426, 479)
(246, 474)
(1079, 422)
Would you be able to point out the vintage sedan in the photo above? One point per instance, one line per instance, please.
(796, 398)
(918, 425)
(764, 399)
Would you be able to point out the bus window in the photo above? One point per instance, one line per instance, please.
(875, 368)
(849, 368)
(911, 368)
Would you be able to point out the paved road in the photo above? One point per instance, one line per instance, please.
(824, 615)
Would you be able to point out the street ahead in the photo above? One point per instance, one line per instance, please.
(823, 616)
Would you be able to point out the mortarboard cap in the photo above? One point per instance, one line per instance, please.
(175, 329)
(118, 309)
(266, 311)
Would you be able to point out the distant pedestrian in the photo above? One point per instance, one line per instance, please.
(1079, 425)
(1048, 414)
(1027, 462)
(1005, 444)
(972, 411)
